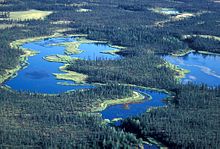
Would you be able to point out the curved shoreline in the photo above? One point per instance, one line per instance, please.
(184, 53)
(180, 72)
(135, 98)
(23, 59)
(11, 73)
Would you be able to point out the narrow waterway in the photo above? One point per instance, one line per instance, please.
(38, 76)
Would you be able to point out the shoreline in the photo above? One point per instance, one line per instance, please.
(180, 72)
(23, 59)
(70, 75)
(11, 73)
(182, 54)
(135, 98)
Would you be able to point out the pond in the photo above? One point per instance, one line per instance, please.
(133, 109)
(38, 75)
(204, 68)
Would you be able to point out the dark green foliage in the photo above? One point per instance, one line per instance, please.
(59, 121)
(62, 121)
(204, 44)
(192, 123)
(9, 57)
(139, 70)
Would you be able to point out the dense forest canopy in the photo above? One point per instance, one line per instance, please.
(191, 118)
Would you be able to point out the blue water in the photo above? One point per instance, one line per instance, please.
(147, 146)
(134, 109)
(94, 51)
(203, 68)
(38, 76)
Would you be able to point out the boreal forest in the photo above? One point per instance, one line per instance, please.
(110, 74)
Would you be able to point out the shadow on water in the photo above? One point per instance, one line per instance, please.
(38, 77)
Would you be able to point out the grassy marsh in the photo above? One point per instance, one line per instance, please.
(136, 97)
(59, 58)
(29, 15)
(70, 75)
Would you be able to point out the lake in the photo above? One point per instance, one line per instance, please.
(203, 68)
(38, 75)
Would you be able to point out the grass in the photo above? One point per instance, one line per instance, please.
(208, 53)
(23, 58)
(182, 53)
(70, 75)
(73, 47)
(70, 47)
(202, 36)
(180, 73)
(59, 58)
(18, 43)
(29, 15)
(183, 16)
(136, 97)
(117, 47)
(61, 22)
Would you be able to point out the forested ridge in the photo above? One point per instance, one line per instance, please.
(191, 118)
(60, 121)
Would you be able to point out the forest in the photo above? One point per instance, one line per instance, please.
(191, 117)
(30, 120)
(184, 123)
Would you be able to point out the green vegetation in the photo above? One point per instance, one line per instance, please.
(190, 120)
(140, 70)
(179, 72)
(71, 75)
(204, 43)
(29, 15)
(73, 47)
(59, 58)
(70, 47)
(8, 73)
(42, 121)
(136, 97)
